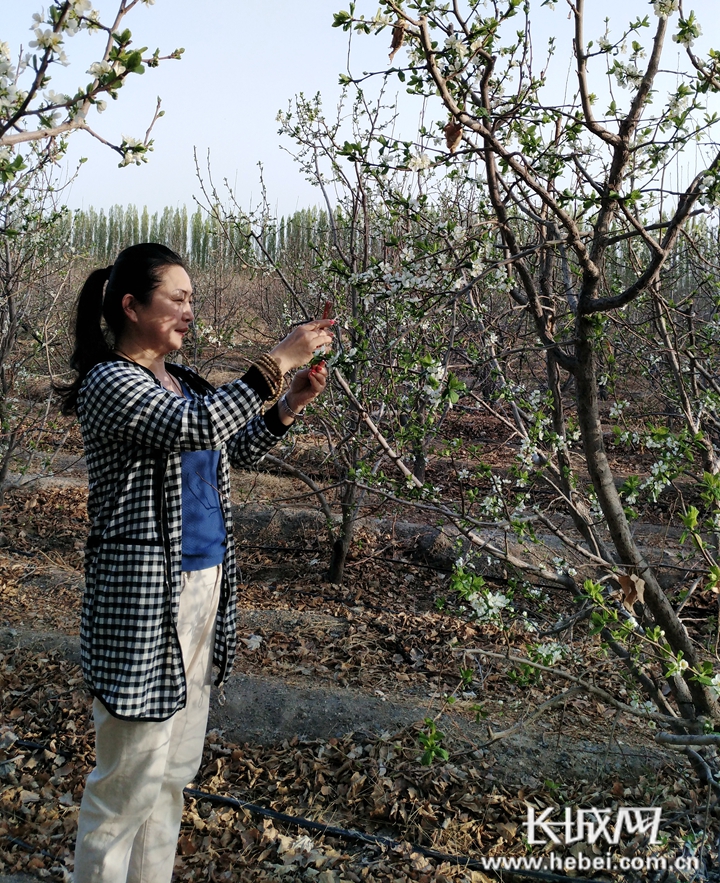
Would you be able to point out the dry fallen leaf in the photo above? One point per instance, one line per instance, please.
(453, 135)
(186, 845)
(253, 642)
(507, 829)
(398, 35)
(633, 588)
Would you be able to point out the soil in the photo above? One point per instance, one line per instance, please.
(323, 667)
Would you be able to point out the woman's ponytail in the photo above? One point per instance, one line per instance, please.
(90, 342)
(91, 345)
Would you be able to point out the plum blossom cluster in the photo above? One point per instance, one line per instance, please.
(133, 150)
(488, 606)
(434, 377)
(689, 30)
(419, 162)
(677, 667)
(627, 75)
(492, 505)
(662, 473)
(549, 652)
(679, 102)
(563, 567)
(665, 8)
(10, 95)
(212, 335)
(715, 684)
(80, 16)
(617, 408)
(382, 279)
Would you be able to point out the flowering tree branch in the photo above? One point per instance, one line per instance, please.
(35, 113)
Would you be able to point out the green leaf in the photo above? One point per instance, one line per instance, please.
(122, 39)
(342, 20)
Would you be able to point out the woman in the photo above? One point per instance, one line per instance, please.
(159, 603)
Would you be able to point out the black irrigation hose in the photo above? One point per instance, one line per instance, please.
(36, 746)
(27, 847)
(332, 831)
(377, 840)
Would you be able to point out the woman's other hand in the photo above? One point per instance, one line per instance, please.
(305, 386)
(303, 343)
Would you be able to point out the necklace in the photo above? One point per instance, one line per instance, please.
(168, 381)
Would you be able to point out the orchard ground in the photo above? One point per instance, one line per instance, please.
(336, 694)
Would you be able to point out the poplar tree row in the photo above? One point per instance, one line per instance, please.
(200, 237)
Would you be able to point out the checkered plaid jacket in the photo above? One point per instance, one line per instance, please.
(134, 431)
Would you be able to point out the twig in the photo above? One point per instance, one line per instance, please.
(540, 710)
(610, 738)
(568, 623)
(640, 676)
(590, 688)
(691, 590)
(314, 487)
(687, 739)
(384, 444)
(704, 772)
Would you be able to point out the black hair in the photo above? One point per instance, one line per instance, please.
(138, 271)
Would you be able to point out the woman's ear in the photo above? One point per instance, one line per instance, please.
(129, 305)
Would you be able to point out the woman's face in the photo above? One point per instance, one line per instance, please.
(161, 325)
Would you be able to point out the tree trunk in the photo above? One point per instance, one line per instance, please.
(419, 463)
(341, 546)
(655, 599)
(578, 510)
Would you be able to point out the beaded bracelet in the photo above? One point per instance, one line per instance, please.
(285, 404)
(270, 370)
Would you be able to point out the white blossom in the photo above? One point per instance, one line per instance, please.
(550, 652)
(455, 44)
(46, 39)
(617, 409)
(488, 605)
(664, 8)
(687, 38)
(626, 74)
(8, 95)
(53, 97)
(98, 68)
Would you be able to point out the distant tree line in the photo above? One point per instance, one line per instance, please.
(199, 236)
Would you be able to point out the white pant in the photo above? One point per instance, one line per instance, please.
(133, 801)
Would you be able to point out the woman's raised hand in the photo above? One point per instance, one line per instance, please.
(303, 343)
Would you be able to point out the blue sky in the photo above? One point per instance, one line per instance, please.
(243, 62)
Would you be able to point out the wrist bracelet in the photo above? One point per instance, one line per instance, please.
(287, 407)
(270, 370)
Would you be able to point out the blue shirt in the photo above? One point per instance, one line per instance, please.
(203, 523)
